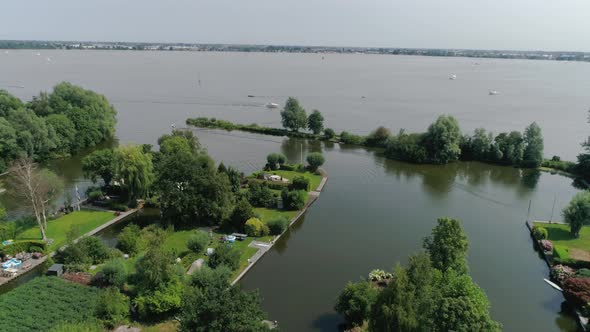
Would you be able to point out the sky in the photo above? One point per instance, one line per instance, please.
(474, 24)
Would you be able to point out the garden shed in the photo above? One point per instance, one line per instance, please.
(55, 270)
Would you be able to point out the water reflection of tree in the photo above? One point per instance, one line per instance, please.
(438, 180)
(292, 147)
(282, 244)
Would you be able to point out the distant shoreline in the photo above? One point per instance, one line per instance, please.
(196, 47)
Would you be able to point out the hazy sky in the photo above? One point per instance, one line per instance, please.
(498, 24)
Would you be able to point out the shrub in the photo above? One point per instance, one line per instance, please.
(112, 307)
(574, 263)
(89, 250)
(95, 195)
(94, 248)
(7, 229)
(198, 241)
(354, 302)
(273, 160)
(160, 302)
(260, 195)
(129, 240)
(255, 227)
(560, 252)
(329, 133)
(278, 225)
(347, 138)
(546, 245)
(583, 273)
(225, 255)
(286, 167)
(540, 233)
(315, 160)
(114, 273)
(242, 212)
(294, 199)
(115, 206)
(577, 291)
(300, 183)
(25, 245)
(561, 272)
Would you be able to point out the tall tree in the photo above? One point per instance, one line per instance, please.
(447, 246)
(100, 163)
(533, 140)
(577, 213)
(24, 178)
(315, 122)
(293, 115)
(442, 140)
(481, 144)
(48, 189)
(134, 169)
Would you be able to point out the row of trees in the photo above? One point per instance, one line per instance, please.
(54, 124)
(434, 293)
(443, 143)
(294, 117)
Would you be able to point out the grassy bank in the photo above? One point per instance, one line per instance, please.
(568, 246)
(84, 221)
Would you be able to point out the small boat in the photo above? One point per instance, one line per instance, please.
(272, 105)
(453, 77)
(251, 96)
(493, 92)
(552, 284)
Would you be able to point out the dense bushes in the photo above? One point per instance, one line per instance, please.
(129, 240)
(225, 255)
(114, 273)
(355, 300)
(25, 245)
(255, 227)
(278, 225)
(198, 241)
(577, 290)
(560, 252)
(53, 125)
(260, 195)
(87, 251)
(560, 273)
(558, 164)
(540, 233)
(299, 183)
(315, 160)
(294, 199)
(112, 307)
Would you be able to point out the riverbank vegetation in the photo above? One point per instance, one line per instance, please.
(54, 124)
(434, 293)
(443, 142)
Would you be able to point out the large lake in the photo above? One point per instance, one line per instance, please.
(374, 212)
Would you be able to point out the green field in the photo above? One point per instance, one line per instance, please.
(84, 220)
(267, 214)
(560, 236)
(45, 302)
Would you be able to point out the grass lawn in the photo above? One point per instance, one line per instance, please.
(85, 220)
(560, 235)
(267, 214)
(314, 180)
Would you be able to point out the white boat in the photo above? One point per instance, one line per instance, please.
(272, 105)
(493, 92)
(453, 77)
(552, 284)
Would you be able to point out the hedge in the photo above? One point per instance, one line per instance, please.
(560, 252)
(24, 245)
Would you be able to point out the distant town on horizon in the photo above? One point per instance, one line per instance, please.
(205, 47)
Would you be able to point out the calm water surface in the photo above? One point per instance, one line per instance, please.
(374, 212)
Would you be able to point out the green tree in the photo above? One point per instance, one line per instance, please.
(355, 301)
(293, 115)
(461, 305)
(407, 147)
(378, 137)
(447, 246)
(129, 240)
(255, 227)
(191, 190)
(154, 269)
(225, 255)
(198, 241)
(273, 160)
(112, 307)
(442, 140)
(8, 102)
(577, 213)
(33, 135)
(242, 212)
(315, 160)
(260, 195)
(329, 133)
(65, 133)
(9, 148)
(134, 169)
(99, 164)
(210, 304)
(315, 122)
(114, 273)
(533, 140)
(481, 144)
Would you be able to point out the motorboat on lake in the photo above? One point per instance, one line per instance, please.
(493, 92)
(453, 77)
(272, 105)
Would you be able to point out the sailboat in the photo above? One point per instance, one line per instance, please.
(552, 284)
(453, 77)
